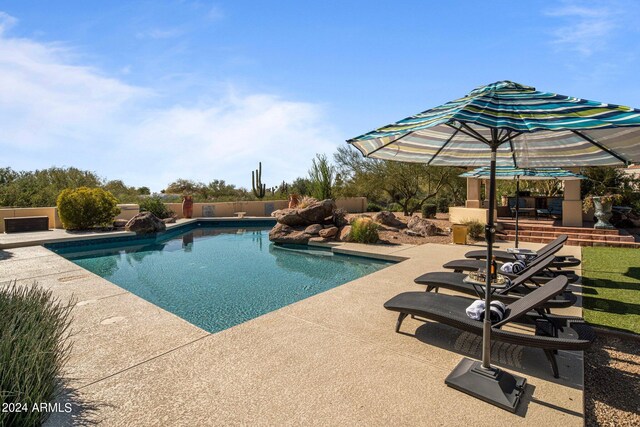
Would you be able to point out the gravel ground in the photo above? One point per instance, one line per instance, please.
(612, 382)
(441, 220)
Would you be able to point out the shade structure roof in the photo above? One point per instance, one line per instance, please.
(506, 172)
(535, 129)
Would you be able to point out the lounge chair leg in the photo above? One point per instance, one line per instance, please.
(401, 318)
(554, 363)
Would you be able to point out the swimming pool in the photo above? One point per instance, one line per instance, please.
(217, 277)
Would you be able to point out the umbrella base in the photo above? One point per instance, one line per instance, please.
(494, 386)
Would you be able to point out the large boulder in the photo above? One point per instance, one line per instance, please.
(389, 219)
(345, 234)
(313, 229)
(145, 223)
(329, 232)
(421, 227)
(317, 213)
(282, 233)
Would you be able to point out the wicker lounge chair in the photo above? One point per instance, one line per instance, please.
(559, 262)
(516, 290)
(543, 276)
(552, 333)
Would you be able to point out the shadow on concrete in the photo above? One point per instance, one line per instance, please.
(530, 362)
(5, 255)
(74, 410)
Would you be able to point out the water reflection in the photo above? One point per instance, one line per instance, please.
(311, 262)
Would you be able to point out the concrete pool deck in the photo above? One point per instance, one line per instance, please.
(330, 359)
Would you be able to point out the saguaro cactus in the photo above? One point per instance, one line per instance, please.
(259, 189)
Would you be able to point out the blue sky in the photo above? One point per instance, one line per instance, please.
(151, 91)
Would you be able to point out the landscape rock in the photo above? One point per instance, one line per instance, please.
(313, 214)
(340, 218)
(345, 234)
(169, 220)
(145, 223)
(328, 232)
(313, 229)
(387, 228)
(389, 219)
(282, 233)
(422, 227)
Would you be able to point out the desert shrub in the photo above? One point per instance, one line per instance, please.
(83, 208)
(373, 207)
(306, 201)
(364, 230)
(34, 346)
(394, 207)
(475, 229)
(156, 206)
(429, 211)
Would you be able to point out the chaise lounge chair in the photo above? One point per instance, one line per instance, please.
(559, 262)
(552, 333)
(515, 291)
(543, 276)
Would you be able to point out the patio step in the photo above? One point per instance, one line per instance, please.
(574, 242)
(552, 234)
(544, 232)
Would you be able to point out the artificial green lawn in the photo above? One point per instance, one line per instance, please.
(611, 281)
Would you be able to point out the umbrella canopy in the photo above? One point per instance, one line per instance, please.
(507, 124)
(510, 173)
(536, 129)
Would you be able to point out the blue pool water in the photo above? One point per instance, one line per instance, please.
(217, 277)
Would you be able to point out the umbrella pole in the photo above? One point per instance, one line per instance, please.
(480, 379)
(489, 233)
(517, 206)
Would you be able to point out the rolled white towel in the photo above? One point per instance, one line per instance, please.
(476, 310)
(518, 266)
(507, 267)
(496, 311)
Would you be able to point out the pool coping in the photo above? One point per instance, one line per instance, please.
(12, 240)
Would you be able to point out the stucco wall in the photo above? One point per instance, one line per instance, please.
(221, 209)
(459, 214)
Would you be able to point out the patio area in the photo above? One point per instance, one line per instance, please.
(330, 359)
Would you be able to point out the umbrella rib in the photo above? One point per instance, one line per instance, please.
(513, 154)
(472, 133)
(601, 147)
(445, 144)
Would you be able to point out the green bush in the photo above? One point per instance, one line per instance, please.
(156, 206)
(394, 207)
(429, 211)
(84, 208)
(364, 230)
(34, 346)
(475, 229)
(373, 207)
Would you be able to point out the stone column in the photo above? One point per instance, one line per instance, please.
(473, 193)
(572, 204)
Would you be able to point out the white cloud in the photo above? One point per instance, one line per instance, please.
(586, 29)
(56, 112)
(6, 22)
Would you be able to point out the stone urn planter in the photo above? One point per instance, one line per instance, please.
(602, 206)
(187, 206)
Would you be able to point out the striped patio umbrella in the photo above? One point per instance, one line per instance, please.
(510, 173)
(507, 124)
